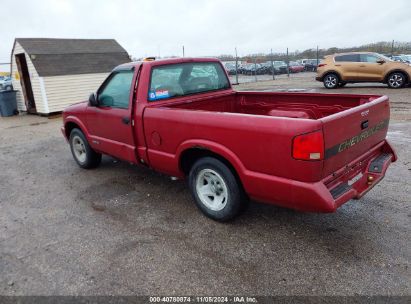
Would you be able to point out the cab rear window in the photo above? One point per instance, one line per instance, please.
(183, 79)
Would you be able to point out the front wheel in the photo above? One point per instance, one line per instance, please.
(331, 81)
(396, 80)
(216, 191)
(83, 154)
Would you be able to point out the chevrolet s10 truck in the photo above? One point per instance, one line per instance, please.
(306, 151)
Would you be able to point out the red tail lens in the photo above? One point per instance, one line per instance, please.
(321, 65)
(309, 146)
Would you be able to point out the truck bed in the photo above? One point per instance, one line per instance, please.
(292, 105)
(339, 116)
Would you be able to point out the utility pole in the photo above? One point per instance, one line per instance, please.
(183, 50)
(318, 55)
(236, 66)
(392, 48)
(288, 65)
(255, 68)
(272, 64)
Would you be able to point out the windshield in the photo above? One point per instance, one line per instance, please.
(182, 79)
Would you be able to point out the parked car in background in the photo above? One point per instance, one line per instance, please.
(240, 68)
(280, 66)
(339, 69)
(249, 69)
(295, 67)
(266, 68)
(398, 58)
(302, 61)
(5, 84)
(406, 58)
(311, 65)
(253, 69)
(230, 68)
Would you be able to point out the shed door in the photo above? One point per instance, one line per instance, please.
(26, 83)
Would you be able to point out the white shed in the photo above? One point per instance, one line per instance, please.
(50, 74)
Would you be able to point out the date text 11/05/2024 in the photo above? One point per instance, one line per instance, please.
(203, 299)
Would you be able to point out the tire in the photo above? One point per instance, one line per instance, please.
(9, 88)
(215, 189)
(83, 154)
(331, 81)
(396, 80)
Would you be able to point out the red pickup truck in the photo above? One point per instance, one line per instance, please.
(306, 151)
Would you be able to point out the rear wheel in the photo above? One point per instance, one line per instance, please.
(396, 80)
(331, 81)
(83, 154)
(216, 191)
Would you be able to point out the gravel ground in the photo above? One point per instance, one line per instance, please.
(126, 230)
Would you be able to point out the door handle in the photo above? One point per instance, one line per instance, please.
(125, 120)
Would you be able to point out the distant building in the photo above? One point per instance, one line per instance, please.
(50, 74)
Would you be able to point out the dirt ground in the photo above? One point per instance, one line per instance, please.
(126, 230)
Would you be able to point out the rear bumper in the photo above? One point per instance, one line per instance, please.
(362, 174)
(351, 182)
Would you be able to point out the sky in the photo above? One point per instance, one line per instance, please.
(207, 27)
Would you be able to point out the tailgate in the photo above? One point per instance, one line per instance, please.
(351, 133)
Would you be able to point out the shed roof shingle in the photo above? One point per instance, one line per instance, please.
(53, 57)
(69, 46)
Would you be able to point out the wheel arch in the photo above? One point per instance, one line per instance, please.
(72, 123)
(407, 75)
(190, 152)
(331, 72)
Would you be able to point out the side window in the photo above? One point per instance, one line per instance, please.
(116, 92)
(347, 58)
(369, 58)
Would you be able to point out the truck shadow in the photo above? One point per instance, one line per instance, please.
(151, 203)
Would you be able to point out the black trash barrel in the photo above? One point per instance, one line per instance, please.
(8, 103)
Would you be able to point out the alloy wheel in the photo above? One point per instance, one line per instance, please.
(396, 80)
(211, 189)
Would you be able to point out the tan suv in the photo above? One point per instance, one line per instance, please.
(339, 69)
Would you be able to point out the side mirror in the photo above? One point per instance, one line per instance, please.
(92, 100)
(380, 61)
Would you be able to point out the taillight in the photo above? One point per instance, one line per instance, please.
(309, 146)
(321, 65)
